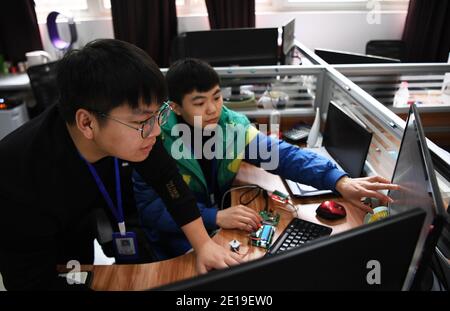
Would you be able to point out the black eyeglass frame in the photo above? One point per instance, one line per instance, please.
(161, 115)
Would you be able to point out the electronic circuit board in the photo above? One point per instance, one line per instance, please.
(270, 218)
(263, 236)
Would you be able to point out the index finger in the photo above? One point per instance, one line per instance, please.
(380, 179)
(383, 186)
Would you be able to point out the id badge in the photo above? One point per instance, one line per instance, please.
(125, 246)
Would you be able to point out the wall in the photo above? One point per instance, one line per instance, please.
(347, 31)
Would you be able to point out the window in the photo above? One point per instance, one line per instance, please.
(89, 9)
(263, 6)
(198, 7)
(360, 5)
(80, 9)
(191, 7)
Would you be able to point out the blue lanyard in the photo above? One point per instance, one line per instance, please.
(212, 190)
(117, 212)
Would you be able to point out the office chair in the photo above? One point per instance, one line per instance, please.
(43, 84)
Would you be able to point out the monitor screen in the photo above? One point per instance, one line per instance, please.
(346, 140)
(415, 174)
(345, 261)
(339, 57)
(234, 47)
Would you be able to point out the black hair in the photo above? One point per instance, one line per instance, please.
(188, 75)
(106, 74)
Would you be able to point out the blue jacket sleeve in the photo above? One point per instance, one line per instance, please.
(154, 214)
(291, 162)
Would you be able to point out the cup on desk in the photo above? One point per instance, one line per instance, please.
(379, 213)
(37, 58)
(273, 99)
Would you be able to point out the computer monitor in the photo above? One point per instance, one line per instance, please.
(346, 261)
(234, 47)
(288, 36)
(346, 140)
(340, 57)
(415, 174)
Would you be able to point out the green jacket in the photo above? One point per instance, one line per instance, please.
(234, 131)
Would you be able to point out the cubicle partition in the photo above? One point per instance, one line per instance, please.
(424, 82)
(383, 80)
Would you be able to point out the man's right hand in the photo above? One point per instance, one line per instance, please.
(239, 217)
(213, 256)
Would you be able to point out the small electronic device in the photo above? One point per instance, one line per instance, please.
(263, 236)
(279, 196)
(331, 210)
(235, 245)
(297, 133)
(270, 218)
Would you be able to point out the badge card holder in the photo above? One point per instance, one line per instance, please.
(125, 246)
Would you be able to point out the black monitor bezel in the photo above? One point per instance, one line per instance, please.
(243, 58)
(366, 147)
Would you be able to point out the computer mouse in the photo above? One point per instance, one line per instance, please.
(331, 210)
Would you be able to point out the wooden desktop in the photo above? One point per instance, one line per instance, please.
(146, 276)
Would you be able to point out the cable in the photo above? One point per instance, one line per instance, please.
(249, 246)
(294, 207)
(259, 191)
(236, 188)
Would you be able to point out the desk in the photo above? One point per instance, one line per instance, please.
(14, 82)
(145, 276)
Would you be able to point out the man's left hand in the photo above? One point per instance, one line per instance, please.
(354, 189)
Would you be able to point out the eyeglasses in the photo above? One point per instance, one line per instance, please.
(146, 127)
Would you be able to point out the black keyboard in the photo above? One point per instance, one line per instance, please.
(297, 233)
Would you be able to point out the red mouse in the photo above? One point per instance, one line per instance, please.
(331, 210)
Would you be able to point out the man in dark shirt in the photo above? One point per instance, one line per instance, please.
(57, 170)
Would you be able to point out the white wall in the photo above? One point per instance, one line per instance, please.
(347, 31)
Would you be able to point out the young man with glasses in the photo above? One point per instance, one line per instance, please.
(194, 88)
(65, 172)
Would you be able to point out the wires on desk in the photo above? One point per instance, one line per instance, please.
(251, 187)
(289, 203)
(255, 190)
